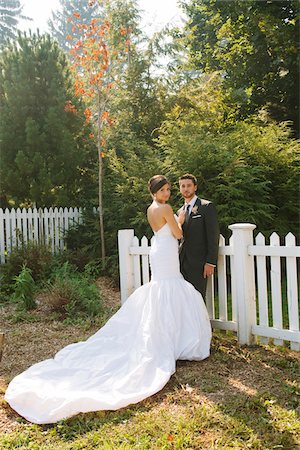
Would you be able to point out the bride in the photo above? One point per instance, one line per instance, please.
(134, 355)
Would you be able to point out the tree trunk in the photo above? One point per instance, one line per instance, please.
(1, 344)
(100, 176)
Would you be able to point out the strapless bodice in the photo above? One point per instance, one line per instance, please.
(164, 231)
(164, 259)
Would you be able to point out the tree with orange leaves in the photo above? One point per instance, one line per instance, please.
(98, 59)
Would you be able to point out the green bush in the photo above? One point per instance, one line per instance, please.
(72, 293)
(37, 257)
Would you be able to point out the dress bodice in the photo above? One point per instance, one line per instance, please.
(163, 231)
(164, 259)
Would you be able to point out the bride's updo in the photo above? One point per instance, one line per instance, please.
(157, 182)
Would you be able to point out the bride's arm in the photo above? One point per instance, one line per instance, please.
(175, 227)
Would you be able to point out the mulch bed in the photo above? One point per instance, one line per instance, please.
(29, 342)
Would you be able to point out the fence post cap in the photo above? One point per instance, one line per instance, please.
(242, 226)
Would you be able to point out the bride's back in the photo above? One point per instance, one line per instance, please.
(156, 216)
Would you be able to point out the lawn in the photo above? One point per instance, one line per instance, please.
(240, 397)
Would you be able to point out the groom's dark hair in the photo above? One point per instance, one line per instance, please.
(189, 176)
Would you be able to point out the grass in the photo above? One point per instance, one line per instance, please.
(239, 398)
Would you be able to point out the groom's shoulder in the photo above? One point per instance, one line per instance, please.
(205, 202)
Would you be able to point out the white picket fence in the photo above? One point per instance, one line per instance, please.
(248, 283)
(46, 226)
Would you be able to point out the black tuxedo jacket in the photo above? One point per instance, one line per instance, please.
(200, 243)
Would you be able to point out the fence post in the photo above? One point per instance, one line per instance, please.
(243, 267)
(125, 264)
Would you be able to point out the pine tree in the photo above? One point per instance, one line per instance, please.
(10, 13)
(43, 151)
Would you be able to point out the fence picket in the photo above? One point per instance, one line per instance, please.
(2, 239)
(61, 228)
(262, 288)
(145, 261)
(7, 227)
(19, 227)
(222, 283)
(233, 284)
(210, 298)
(292, 291)
(56, 230)
(30, 225)
(51, 230)
(24, 225)
(276, 288)
(13, 224)
(41, 225)
(46, 227)
(136, 265)
(35, 225)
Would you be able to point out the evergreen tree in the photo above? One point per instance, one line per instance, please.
(10, 13)
(45, 156)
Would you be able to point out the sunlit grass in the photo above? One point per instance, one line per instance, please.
(239, 398)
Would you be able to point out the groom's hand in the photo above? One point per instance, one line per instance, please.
(208, 270)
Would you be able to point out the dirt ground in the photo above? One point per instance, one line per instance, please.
(234, 377)
(29, 342)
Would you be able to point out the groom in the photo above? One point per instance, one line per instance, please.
(198, 251)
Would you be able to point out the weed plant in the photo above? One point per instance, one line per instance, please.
(25, 289)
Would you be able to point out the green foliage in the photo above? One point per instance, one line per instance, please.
(42, 142)
(72, 293)
(255, 46)
(10, 13)
(248, 168)
(24, 289)
(59, 26)
(36, 257)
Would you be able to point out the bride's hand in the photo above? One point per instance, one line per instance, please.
(181, 217)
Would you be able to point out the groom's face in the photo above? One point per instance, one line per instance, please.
(187, 189)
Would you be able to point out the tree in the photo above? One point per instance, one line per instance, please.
(248, 168)
(61, 28)
(255, 45)
(45, 154)
(98, 59)
(10, 13)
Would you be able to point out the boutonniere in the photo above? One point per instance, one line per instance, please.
(195, 209)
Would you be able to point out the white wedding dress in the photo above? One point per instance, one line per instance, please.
(132, 357)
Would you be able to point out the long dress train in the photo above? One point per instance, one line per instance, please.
(132, 357)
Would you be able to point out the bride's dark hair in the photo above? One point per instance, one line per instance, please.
(157, 182)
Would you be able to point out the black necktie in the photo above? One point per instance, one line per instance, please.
(187, 214)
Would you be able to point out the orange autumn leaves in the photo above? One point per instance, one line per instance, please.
(95, 56)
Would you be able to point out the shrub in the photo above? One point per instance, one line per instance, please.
(37, 257)
(71, 293)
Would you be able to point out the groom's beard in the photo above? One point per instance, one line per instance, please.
(188, 197)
